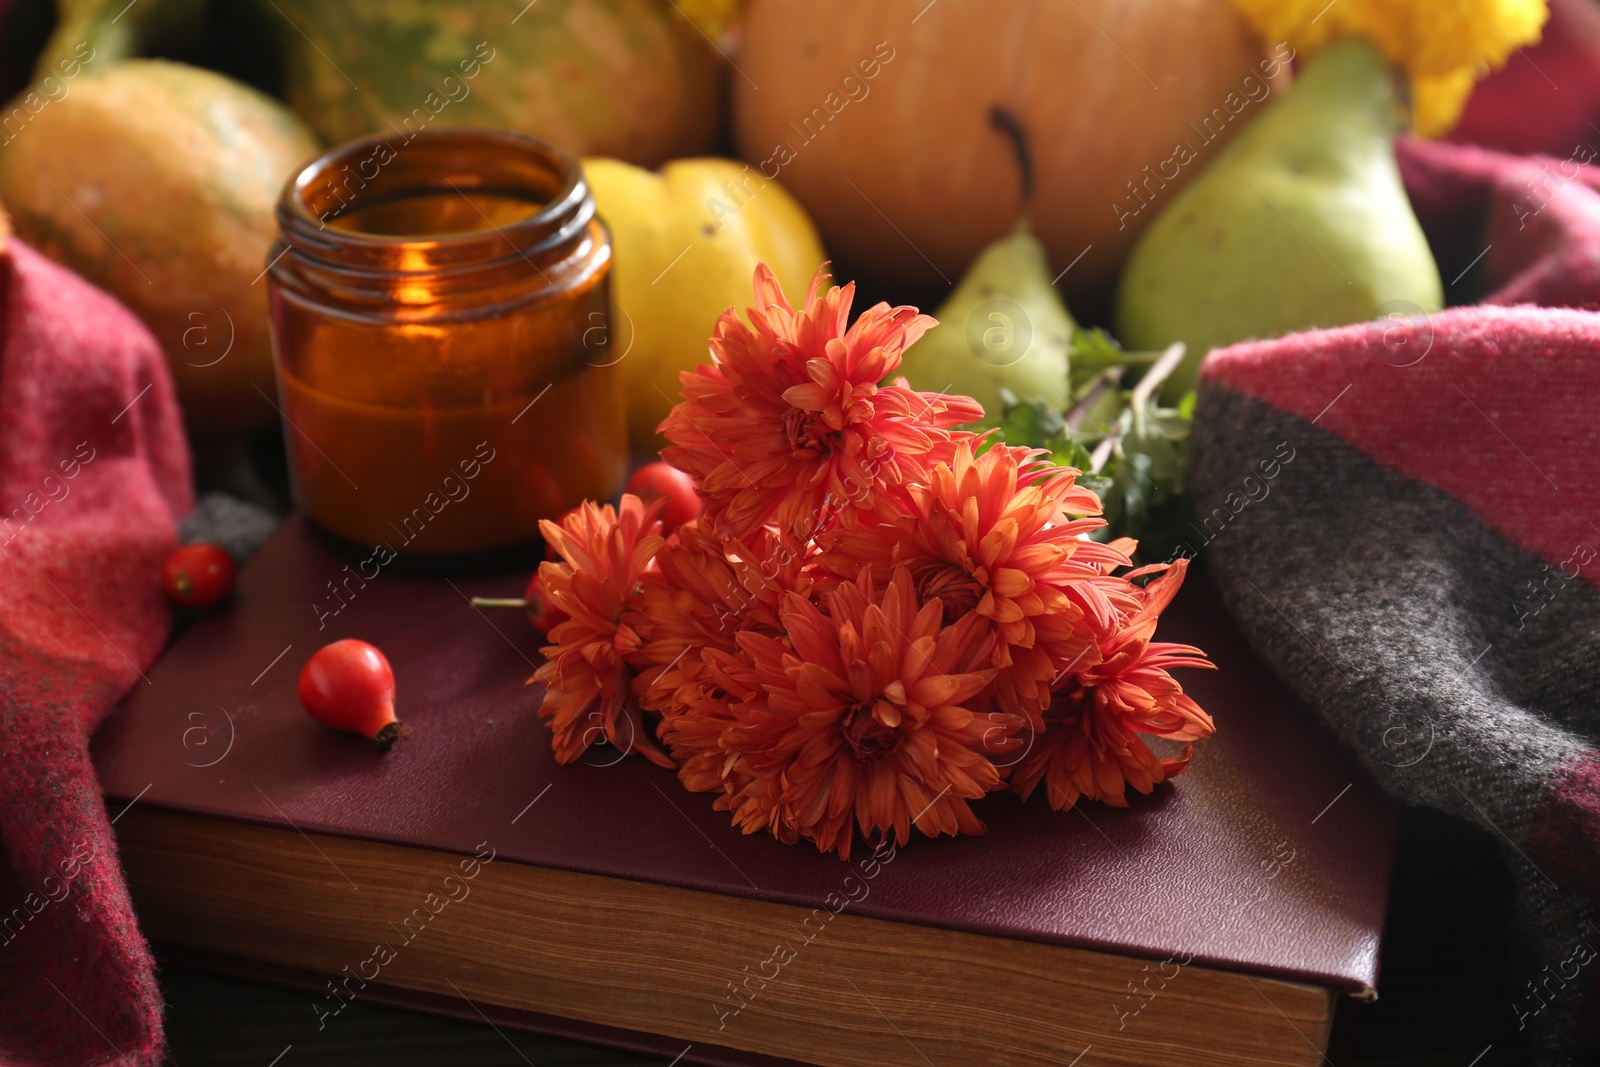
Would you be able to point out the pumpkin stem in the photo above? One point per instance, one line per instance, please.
(1008, 124)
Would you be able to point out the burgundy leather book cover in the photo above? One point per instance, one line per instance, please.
(1270, 855)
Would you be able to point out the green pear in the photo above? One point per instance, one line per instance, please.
(1003, 327)
(1300, 222)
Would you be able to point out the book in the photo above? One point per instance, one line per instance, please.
(1218, 920)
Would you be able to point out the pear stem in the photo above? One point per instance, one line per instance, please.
(1008, 124)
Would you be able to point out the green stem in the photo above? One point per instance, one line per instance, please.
(1157, 374)
(116, 30)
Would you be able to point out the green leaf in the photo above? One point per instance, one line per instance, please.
(1095, 352)
(1033, 424)
(1144, 471)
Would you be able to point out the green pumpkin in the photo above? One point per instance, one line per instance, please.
(628, 79)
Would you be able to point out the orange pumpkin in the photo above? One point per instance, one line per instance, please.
(877, 118)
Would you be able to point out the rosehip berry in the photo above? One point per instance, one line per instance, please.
(663, 481)
(198, 575)
(544, 615)
(348, 685)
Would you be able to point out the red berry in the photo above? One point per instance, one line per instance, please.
(663, 481)
(349, 686)
(198, 575)
(544, 615)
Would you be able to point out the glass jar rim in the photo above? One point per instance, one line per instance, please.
(434, 160)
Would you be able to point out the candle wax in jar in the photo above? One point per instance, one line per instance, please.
(430, 479)
(435, 213)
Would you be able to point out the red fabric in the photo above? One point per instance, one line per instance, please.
(1497, 389)
(94, 471)
(1565, 834)
(1545, 97)
(1535, 220)
(1564, 839)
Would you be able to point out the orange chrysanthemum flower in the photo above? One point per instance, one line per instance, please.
(586, 673)
(704, 711)
(867, 716)
(789, 423)
(994, 534)
(1091, 745)
(701, 593)
(871, 609)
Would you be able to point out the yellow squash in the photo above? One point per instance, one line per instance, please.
(687, 240)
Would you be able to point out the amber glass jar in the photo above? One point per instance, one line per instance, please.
(439, 311)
